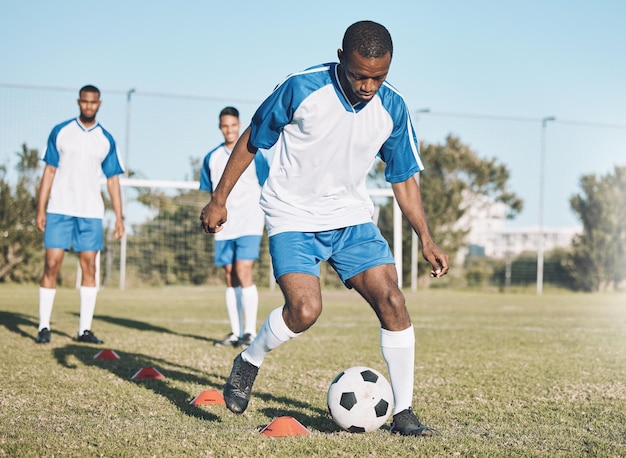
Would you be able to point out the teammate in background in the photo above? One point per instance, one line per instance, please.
(70, 207)
(329, 123)
(237, 246)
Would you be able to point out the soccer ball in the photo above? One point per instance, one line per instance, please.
(360, 399)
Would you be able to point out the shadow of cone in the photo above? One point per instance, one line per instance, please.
(106, 354)
(208, 397)
(147, 373)
(285, 426)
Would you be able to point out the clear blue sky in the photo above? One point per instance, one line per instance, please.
(511, 59)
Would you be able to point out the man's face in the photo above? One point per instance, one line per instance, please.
(361, 77)
(229, 125)
(89, 103)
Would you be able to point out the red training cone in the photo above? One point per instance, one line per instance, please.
(147, 373)
(106, 354)
(285, 426)
(213, 397)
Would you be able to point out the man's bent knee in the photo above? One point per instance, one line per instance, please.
(301, 317)
(392, 312)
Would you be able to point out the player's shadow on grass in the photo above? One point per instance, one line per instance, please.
(130, 363)
(14, 322)
(142, 326)
(132, 324)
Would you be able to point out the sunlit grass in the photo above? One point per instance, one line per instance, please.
(496, 374)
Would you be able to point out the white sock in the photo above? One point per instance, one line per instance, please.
(398, 348)
(250, 306)
(239, 332)
(233, 311)
(88, 296)
(274, 332)
(46, 301)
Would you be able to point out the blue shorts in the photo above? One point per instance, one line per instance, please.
(71, 232)
(244, 248)
(349, 250)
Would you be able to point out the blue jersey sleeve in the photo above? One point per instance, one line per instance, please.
(400, 152)
(278, 109)
(51, 156)
(206, 184)
(270, 118)
(112, 164)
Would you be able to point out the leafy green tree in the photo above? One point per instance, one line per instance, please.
(454, 179)
(599, 253)
(21, 243)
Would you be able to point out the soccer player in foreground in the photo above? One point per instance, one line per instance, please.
(70, 207)
(237, 246)
(329, 123)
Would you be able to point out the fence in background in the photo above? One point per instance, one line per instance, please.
(162, 137)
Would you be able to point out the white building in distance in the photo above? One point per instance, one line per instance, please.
(489, 236)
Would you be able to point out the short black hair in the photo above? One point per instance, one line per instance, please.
(232, 111)
(89, 88)
(368, 38)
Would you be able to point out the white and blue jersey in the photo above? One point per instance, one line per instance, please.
(245, 216)
(80, 155)
(325, 148)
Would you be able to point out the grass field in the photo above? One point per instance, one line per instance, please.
(496, 374)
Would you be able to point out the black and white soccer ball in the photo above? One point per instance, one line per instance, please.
(360, 399)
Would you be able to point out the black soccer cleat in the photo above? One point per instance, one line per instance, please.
(231, 340)
(89, 337)
(246, 340)
(43, 336)
(406, 423)
(239, 385)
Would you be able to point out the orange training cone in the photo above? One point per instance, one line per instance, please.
(285, 426)
(147, 373)
(208, 397)
(106, 354)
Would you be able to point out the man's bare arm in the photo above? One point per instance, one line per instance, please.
(409, 199)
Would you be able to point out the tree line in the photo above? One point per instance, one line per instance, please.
(169, 248)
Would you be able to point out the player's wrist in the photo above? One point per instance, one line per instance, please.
(218, 199)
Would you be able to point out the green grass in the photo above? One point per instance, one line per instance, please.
(496, 374)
